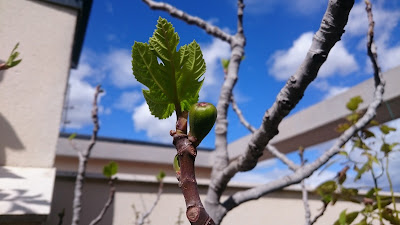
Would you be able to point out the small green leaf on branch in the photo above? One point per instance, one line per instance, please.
(110, 169)
(354, 103)
(72, 136)
(386, 129)
(160, 176)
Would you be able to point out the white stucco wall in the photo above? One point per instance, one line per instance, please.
(31, 94)
(278, 208)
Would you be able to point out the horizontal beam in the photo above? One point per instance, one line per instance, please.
(317, 123)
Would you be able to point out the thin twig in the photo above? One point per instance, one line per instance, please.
(143, 217)
(61, 216)
(107, 204)
(239, 113)
(373, 55)
(210, 29)
(83, 156)
(272, 149)
(325, 206)
(304, 192)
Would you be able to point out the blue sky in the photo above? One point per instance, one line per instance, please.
(278, 35)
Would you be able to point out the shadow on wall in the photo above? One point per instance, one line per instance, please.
(8, 137)
(95, 194)
(19, 198)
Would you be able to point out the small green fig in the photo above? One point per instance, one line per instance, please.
(202, 117)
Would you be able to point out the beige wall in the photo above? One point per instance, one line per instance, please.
(279, 208)
(31, 94)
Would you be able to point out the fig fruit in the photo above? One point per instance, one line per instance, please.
(202, 117)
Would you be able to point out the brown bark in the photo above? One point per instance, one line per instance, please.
(195, 211)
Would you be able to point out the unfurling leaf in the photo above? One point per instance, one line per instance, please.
(354, 103)
(342, 127)
(160, 176)
(72, 136)
(326, 190)
(173, 78)
(386, 129)
(345, 219)
(11, 62)
(110, 169)
(225, 63)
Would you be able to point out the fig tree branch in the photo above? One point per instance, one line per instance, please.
(307, 170)
(272, 149)
(307, 212)
(207, 27)
(107, 204)
(330, 31)
(195, 211)
(83, 156)
(143, 217)
(221, 159)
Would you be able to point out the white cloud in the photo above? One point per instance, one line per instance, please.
(386, 20)
(80, 97)
(157, 130)
(213, 53)
(118, 65)
(330, 90)
(128, 100)
(284, 63)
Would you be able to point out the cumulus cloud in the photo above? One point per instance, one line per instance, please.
(284, 63)
(156, 130)
(386, 20)
(118, 65)
(330, 90)
(213, 53)
(80, 97)
(128, 100)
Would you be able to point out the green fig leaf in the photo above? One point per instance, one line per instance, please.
(354, 103)
(110, 169)
(173, 78)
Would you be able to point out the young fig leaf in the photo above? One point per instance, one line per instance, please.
(202, 117)
(173, 78)
(160, 176)
(110, 169)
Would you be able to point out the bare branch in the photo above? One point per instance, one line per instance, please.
(272, 149)
(307, 213)
(239, 113)
(275, 152)
(107, 205)
(307, 170)
(221, 159)
(83, 156)
(210, 29)
(324, 207)
(331, 29)
(240, 17)
(142, 218)
(371, 47)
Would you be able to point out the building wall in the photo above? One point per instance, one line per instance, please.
(279, 208)
(31, 94)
